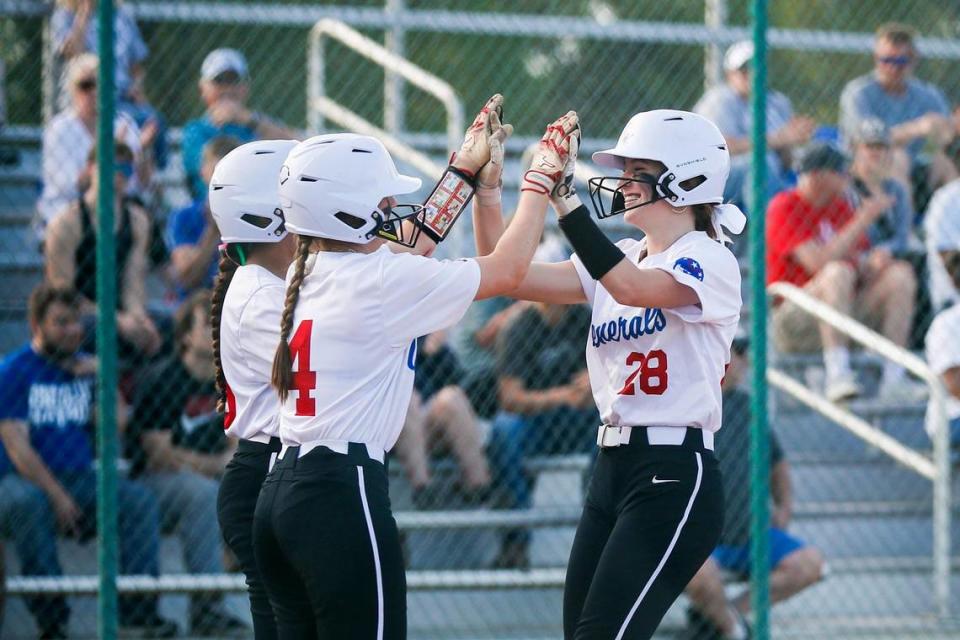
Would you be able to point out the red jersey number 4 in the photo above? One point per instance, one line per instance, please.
(650, 373)
(304, 380)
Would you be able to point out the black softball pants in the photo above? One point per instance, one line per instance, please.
(328, 548)
(236, 502)
(653, 514)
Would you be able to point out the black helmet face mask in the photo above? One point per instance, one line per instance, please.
(400, 224)
(612, 187)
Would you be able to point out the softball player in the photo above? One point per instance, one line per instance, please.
(247, 301)
(324, 534)
(665, 310)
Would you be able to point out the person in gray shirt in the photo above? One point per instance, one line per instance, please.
(915, 111)
(870, 173)
(728, 106)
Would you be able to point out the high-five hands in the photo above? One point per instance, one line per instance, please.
(549, 161)
(475, 152)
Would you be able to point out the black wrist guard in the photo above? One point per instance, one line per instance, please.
(448, 200)
(597, 253)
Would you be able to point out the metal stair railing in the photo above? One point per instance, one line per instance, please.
(936, 470)
(319, 106)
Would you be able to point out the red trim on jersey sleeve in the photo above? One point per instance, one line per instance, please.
(231, 413)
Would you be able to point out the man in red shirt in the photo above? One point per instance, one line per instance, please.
(817, 241)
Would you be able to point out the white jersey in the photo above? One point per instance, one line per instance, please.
(354, 341)
(663, 367)
(943, 353)
(249, 334)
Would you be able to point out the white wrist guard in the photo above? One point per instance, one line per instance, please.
(488, 195)
(446, 203)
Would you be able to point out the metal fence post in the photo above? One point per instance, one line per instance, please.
(106, 335)
(759, 444)
(394, 102)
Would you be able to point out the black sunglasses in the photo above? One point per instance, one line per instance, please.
(87, 84)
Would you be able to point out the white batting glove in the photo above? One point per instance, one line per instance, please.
(564, 196)
(474, 153)
(551, 155)
(490, 178)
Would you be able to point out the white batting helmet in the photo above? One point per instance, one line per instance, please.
(243, 192)
(693, 152)
(331, 187)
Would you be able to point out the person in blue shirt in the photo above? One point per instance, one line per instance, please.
(47, 479)
(192, 238)
(224, 88)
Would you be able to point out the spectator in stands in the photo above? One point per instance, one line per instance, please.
(943, 355)
(941, 226)
(546, 405)
(916, 111)
(177, 448)
(817, 241)
(728, 106)
(192, 237)
(224, 88)
(794, 565)
(69, 138)
(440, 412)
(870, 173)
(70, 249)
(47, 479)
(73, 29)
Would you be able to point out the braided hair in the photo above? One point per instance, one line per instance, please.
(226, 269)
(282, 378)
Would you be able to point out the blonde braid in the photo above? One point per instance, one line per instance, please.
(282, 377)
(226, 269)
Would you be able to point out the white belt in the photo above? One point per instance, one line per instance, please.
(610, 436)
(337, 446)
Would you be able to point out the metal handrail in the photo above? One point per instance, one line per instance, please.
(937, 470)
(377, 53)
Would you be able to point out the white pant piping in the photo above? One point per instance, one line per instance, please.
(666, 555)
(376, 553)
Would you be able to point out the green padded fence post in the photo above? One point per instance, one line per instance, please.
(106, 336)
(759, 446)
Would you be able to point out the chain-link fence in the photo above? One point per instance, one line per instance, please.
(489, 473)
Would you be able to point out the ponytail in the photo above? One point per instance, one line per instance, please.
(282, 378)
(226, 269)
(703, 219)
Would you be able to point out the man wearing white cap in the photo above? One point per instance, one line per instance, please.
(728, 105)
(224, 87)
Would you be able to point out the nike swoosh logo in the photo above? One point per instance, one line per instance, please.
(657, 480)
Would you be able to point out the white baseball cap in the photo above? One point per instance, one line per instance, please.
(738, 55)
(222, 60)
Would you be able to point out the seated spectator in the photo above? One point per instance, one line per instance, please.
(47, 479)
(192, 237)
(943, 355)
(794, 565)
(440, 412)
(817, 241)
(69, 138)
(224, 88)
(941, 226)
(70, 249)
(73, 29)
(177, 448)
(870, 173)
(916, 111)
(728, 106)
(546, 405)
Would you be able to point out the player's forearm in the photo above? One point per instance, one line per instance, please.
(487, 227)
(520, 240)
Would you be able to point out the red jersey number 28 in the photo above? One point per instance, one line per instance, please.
(650, 373)
(304, 380)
